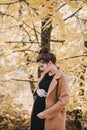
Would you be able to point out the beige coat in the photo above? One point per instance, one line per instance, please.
(56, 100)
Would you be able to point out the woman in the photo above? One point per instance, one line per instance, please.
(52, 95)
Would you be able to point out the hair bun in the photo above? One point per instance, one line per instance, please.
(44, 50)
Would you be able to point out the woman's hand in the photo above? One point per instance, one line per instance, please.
(41, 92)
(40, 115)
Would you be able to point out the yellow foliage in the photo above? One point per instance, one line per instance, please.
(58, 20)
(85, 61)
(4, 70)
(73, 4)
(21, 22)
(34, 3)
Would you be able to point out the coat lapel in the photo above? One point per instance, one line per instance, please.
(52, 86)
(54, 81)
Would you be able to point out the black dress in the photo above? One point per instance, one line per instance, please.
(39, 105)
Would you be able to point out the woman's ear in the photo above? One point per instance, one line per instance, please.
(50, 62)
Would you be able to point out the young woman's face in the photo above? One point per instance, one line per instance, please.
(42, 66)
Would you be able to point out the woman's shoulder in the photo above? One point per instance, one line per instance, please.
(59, 73)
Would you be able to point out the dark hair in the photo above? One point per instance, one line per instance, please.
(45, 56)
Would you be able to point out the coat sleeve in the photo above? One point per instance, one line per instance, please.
(63, 99)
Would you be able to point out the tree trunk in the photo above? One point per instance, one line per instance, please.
(46, 32)
(45, 37)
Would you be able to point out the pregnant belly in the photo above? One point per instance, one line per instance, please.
(39, 105)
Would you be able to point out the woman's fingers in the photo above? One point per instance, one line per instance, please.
(40, 115)
(41, 92)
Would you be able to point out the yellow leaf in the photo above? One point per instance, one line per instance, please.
(85, 61)
(58, 20)
(48, 23)
(34, 3)
(73, 4)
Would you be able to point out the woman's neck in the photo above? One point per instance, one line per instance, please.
(53, 70)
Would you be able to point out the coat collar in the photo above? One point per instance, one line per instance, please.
(57, 75)
(54, 80)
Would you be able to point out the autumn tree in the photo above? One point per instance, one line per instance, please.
(27, 25)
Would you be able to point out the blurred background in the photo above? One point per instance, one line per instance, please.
(25, 27)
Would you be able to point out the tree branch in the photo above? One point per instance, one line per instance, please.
(72, 14)
(10, 3)
(61, 6)
(21, 42)
(62, 41)
(35, 32)
(33, 42)
(73, 57)
(30, 27)
(25, 50)
(27, 34)
(30, 80)
(1, 13)
(81, 19)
